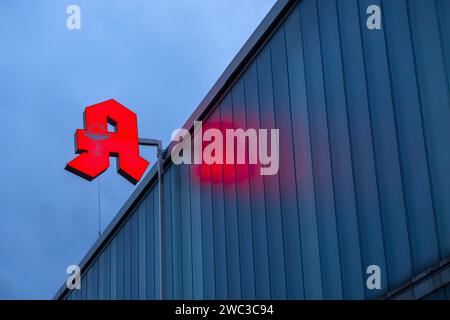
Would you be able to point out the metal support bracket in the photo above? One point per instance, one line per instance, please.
(161, 154)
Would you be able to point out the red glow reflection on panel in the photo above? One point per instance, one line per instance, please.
(225, 173)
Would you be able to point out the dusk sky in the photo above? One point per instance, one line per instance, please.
(158, 58)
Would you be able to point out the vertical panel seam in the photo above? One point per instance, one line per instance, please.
(250, 192)
(224, 213)
(446, 63)
(278, 178)
(237, 207)
(355, 191)
(430, 177)
(154, 246)
(374, 151)
(212, 227)
(293, 147)
(329, 146)
(212, 230)
(170, 173)
(190, 233)
(178, 173)
(264, 181)
(399, 150)
(312, 156)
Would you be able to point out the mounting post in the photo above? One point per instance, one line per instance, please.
(161, 157)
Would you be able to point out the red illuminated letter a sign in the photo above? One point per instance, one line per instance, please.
(95, 144)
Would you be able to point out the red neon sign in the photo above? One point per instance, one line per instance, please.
(95, 144)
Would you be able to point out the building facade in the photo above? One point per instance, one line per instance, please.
(364, 176)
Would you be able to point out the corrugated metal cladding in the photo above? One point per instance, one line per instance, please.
(364, 119)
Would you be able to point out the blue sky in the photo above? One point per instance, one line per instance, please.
(158, 58)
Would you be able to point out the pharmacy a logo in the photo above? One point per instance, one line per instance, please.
(95, 144)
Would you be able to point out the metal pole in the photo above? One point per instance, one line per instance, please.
(161, 156)
(99, 209)
(161, 215)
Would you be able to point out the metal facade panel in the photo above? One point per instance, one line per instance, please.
(364, 169)
(150, 245)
